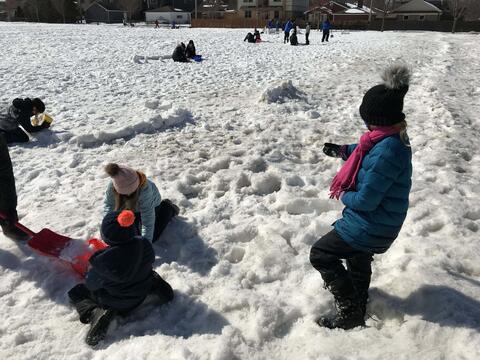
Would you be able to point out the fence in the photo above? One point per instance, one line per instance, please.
(228, 23)
(444, 26)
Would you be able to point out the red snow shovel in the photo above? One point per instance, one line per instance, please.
(49, 243)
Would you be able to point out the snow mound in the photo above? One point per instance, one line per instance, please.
(281, 92)
(155, 124)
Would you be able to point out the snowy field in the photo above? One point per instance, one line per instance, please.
(238, 147)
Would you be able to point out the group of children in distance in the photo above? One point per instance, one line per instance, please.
(184, 53)
(290, 32)
(373, 184)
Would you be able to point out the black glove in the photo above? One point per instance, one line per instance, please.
(333, 150)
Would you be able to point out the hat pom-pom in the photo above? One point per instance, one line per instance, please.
(126, 218)
(396, 76)
(112, 169)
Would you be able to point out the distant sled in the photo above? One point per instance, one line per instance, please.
(143, 59)
(197, 58)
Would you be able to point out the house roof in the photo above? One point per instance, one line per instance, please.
(107, 7)
(417, 6)
(166, 9)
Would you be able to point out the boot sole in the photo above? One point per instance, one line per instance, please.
(104, 320)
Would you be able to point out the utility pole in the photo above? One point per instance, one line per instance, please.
(370, 15)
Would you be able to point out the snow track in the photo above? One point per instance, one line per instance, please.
(238, 147)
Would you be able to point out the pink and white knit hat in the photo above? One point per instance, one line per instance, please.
(125, 180)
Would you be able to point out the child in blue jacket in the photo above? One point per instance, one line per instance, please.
(131, 190)
(374, 185)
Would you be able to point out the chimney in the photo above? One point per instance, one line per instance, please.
(360, 4)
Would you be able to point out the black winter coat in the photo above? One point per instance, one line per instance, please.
(121, 275)
(294, 39)
(18, 114)
(8, 195)
(179, 54)
(250, 38)
(190, 52)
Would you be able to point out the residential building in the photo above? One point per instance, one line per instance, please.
(272, 9)
(104, 12)
(415, 10)
(168, 15)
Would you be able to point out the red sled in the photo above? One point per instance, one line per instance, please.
(74, 252)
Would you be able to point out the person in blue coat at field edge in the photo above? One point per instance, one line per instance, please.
(326, 26)
(131, 190)
(287, 27)
(374, 185)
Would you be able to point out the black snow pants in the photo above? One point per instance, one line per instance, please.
(326, 256)
(326, 35)
(286, 39)
(163, 214)
(307, 42)
(85, 301)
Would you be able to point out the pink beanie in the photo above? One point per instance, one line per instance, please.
(125, 180)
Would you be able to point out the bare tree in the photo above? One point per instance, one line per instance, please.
(61, 7)
(34, 6)
(385, 6)
(130, 6)
(459, 9)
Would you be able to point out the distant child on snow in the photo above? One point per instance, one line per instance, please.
(326, 26)
(19, 114)
(250, 38)
(256, 34)
(293, 37)
(179, 53)
(307, 34)
(120, 278)
(190, 52)
(131, 190)
(374, 185)
(286, 29)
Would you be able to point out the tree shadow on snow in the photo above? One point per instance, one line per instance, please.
(437, 304)
(181, 243)
(183, 317)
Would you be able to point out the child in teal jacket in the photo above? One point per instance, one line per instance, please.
(131, 190)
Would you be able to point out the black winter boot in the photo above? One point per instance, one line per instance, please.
(175, 209)
(12, 232)
(362, 291)
(350, 312)
(161, 288)
(100, 321)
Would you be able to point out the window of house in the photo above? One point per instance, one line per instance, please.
(422, 17)
(248, 14)
(405, 17)
(179, 17)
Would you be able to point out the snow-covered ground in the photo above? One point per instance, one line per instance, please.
(236, 142)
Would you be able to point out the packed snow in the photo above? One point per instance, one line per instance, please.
(236, 142)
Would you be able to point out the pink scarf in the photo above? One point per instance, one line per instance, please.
(345, 179)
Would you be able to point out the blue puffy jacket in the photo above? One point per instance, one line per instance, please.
(326, 25)
(288, 26)
(375, 212)
(148, 200)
